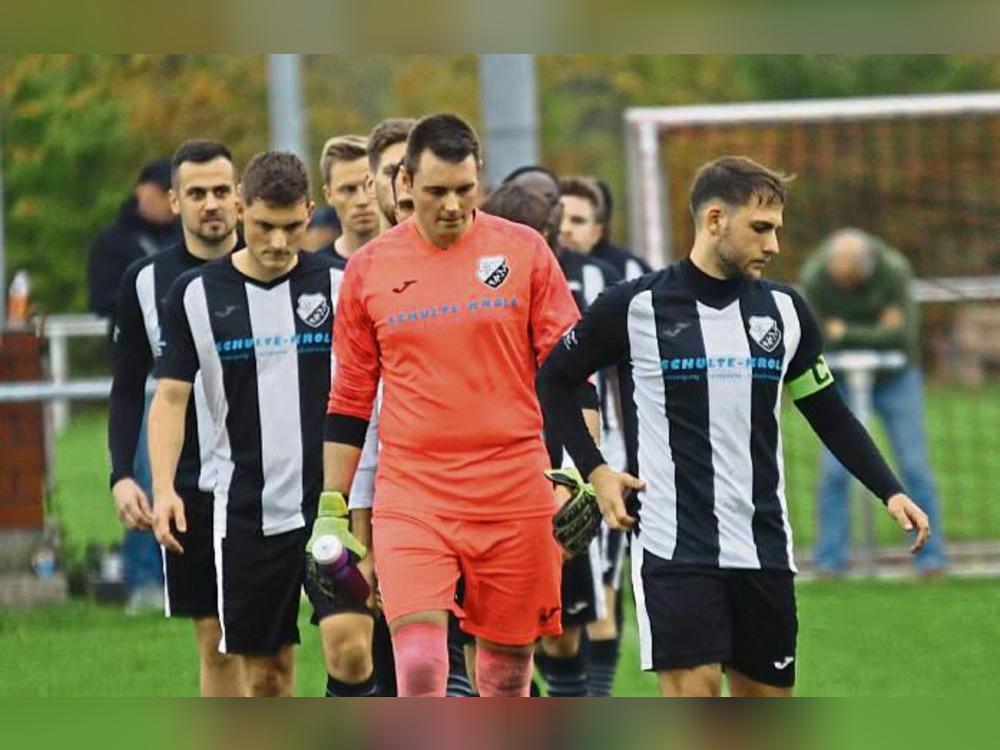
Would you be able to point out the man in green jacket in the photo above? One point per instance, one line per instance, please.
(859, 289)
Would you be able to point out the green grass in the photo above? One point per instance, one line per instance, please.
(857, 638)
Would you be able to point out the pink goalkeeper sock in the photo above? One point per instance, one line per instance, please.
(421, 651)
(503, 673)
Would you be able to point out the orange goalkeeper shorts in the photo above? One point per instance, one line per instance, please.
(511, 570)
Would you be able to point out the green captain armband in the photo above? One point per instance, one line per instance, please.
(813, 380)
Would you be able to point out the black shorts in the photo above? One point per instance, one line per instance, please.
(189, 580)
(260, 584)
(583, 588)
(743, 619)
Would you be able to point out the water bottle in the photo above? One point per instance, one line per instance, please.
(19, 299)
(335, 564)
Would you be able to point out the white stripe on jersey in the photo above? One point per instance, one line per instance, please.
(729, 409)
(145, 290)
(271, 315)
(641, 613)
(211, 419)
(633, 270)
(656, 463)
(593, 283)
(793, 335)
(206, 435)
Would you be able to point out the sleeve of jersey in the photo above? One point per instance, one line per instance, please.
(807, 372)
(362, 493)
(356, 375)
(179, 358)
(600, 339)
(132, 360)
(553, 310)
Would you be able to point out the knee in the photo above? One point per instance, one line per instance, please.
(349, 659)
(505, 673)
(562, 646)
(271, 682)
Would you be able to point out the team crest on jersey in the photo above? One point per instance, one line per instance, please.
(313, 309)
(493, 270)
(764, 330)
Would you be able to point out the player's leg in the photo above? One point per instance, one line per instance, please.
(220, 674)
(190, 591)
(347, 651)
(460, 685)
(270, 676)
(685, 630)
(603, 635)
(417, 573)
(512, 572)
(765, 632)
(259, 584)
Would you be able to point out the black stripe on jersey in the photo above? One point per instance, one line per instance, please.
(314, 378)
(679, 334)
(229, 314)
(768, 520)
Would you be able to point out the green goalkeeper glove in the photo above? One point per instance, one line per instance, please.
(332, 519)
(579, 519)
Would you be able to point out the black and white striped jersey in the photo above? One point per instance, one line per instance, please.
(136, 344)
(708, 359)
(264, 354)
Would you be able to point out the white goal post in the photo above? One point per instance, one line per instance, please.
(646, 129)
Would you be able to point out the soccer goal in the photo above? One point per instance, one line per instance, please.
(922, 172)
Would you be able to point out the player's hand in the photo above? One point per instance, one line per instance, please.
(367, 568)
(131, 504)
(331, 519)
(578, 519)
(910, 517)
(611, 486)
(168, 513)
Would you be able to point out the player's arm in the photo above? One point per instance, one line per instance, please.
(597, 341)
(132, 361)
(175, 371)
(810, 384)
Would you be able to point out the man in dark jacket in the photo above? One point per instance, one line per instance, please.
(144, 225)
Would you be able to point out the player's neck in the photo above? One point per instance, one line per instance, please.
(706, 261)
(442, 243)
(247, 265)
(201, 248)
(347, 243)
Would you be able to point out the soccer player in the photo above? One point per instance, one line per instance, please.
(344, 166)
(386, 146)
(401, 196)
(710, 343)
(453, 310)
(203, 194)
(254, 328)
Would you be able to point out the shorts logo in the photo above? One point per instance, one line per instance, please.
(313, 309)
(493, 270)
(546, 615)
(783, 664)
(764, 330)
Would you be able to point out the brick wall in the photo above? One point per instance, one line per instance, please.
(22, 445)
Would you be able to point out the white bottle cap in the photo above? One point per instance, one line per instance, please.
(327, 549)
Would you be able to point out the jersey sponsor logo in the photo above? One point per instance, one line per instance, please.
(404, 286)
(764, 330)
(784, 663)
(313, 309)
(493, 270)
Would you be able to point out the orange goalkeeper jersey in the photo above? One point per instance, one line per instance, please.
(456, 336)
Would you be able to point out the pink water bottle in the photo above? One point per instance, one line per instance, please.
(335, 564)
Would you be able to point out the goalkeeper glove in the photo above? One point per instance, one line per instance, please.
(579, 519)
(332, 520)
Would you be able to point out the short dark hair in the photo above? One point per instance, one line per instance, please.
(736, 180)
(198, 151)
(582, 187)
(528, 169)
(276, 177)
(515, 203)
(448, 137)
(387, 133)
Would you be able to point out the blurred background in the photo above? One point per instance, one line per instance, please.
(905, 147)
